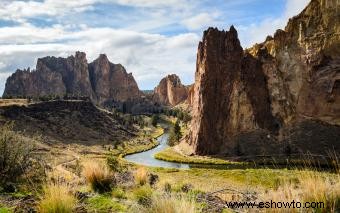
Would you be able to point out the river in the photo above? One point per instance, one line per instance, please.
(147, 158)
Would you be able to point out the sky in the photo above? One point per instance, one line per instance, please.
(150, 38)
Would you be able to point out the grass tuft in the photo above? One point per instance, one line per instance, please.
(143, 195)
(57, 199)
(102, 203)
(119, 193)
(311, 187)
(98, 176)
(172, 204)
(141, 176)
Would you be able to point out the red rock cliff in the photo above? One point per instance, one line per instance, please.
(100, 80)
(282, 93)
(170, 91)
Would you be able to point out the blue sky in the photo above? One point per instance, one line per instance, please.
(151, 38)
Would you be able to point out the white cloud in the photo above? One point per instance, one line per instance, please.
(19, 10)
(256, 33)
(293, 7)
(3, 77)
(148, 56)
(200, 21)
(154, 3)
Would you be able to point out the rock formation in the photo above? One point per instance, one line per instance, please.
(101, 80)
(170, 91)
(190, 99)
(273, 96)
(111, 82)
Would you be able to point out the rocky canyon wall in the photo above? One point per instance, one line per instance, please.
(282, 94)
(170, 91)
(101, 80)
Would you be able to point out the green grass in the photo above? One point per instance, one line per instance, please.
(119, 193)
(5, 209)
(171, 155)
(143, 195)
(213, 179)
(149, 142)
(103, 203)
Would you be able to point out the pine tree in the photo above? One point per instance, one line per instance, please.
(175, 134)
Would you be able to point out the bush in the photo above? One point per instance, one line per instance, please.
(17, 157)
(154, 120)
(98, 176)
(143, 195)
(57, 198)
(115, 163)
(175, 134)
(119, 193)
(141, 176)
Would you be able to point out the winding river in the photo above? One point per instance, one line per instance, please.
(147, 158)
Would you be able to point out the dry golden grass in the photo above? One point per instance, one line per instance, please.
(309, 187)
(141, 176)
(9, 102)
(171, 204)
(57, 199)
(98, 176)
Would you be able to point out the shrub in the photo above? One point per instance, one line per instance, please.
(141, 176)
(17, 157)
(57, 199)
(154, 120)
(167, 187)
(175, 134)
(98, 176)
(101, 203)
(143, 195)
(115, 163)
(119, 193)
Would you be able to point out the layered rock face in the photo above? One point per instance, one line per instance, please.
(274, 95)
(170, 91)
(190, 99)
(100, 80)
(111, 82)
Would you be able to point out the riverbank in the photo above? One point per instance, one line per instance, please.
(151, 144)
(171, 155)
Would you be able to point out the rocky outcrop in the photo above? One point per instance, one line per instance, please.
(190, 99)
(111, 82)
(170, 91)
(36, 83)
(286, 87)
(101, 80)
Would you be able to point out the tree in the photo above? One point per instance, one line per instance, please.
(154, 120)
(175, 134)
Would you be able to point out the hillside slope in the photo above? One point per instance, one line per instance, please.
(67, 122)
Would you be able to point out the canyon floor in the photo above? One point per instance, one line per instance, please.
(90, 177)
